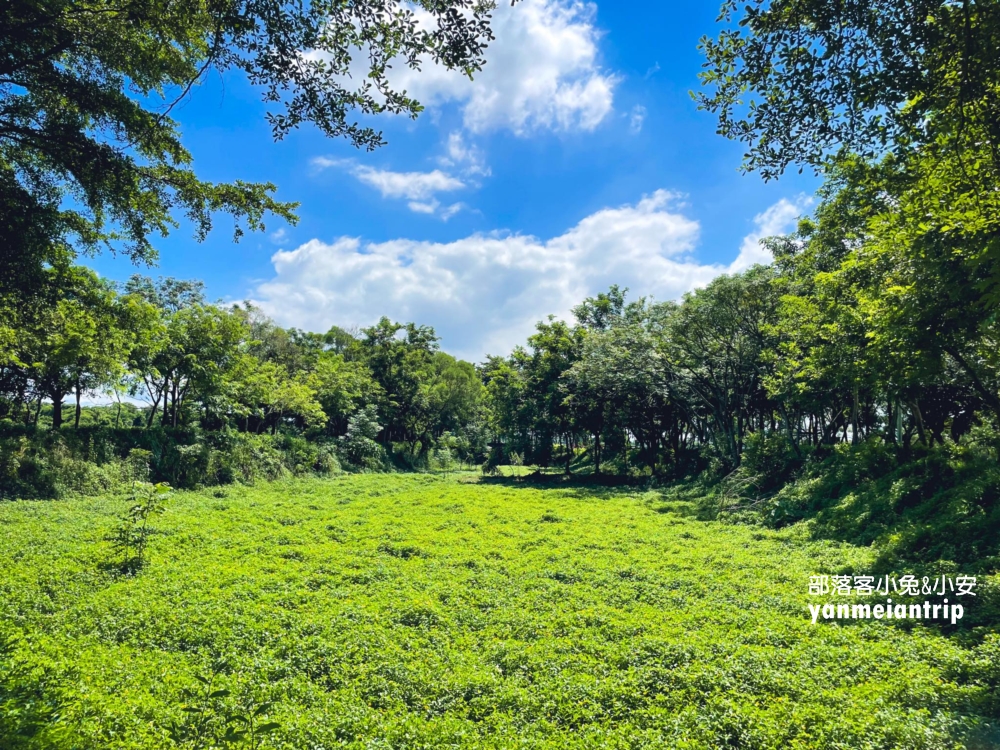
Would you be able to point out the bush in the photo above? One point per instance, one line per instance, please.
(935, 510)
(304, 456)
(770, 458)
(358, 446)
(93, 460)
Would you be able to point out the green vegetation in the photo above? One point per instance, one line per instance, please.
(90, 158)
(415, 611)
(841, 404)
(231, 396)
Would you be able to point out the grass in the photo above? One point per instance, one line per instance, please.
(414, 611)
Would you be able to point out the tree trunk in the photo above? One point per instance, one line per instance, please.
(173, 405)
(156, 403)
(152, 412)
(792, 437)
(76, 416)
(166, 402)
(57, 401)
(989, 396)
(855, 418)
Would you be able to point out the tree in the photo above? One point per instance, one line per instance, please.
(907, 91)
(80, 341)
(359, 444)
(198, 357)
(400, 358)
(341, 387)
(620, 391)
(716, 341)
(456, 394)
(554, 348)
(89, 156)
(824, 76)
(266, 391)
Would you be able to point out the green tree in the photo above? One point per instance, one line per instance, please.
(80, 341)
(456, 394)
(903, 95)
(197, 359)
(716, 342)
(801, 80)
(89, 155)
(554, 348)
(341, 387)
(400, 358)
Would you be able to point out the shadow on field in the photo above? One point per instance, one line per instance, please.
(30, 701)
(603, 487)
(538, 479)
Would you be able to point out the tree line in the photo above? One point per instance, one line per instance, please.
(194, 363)
(876, 322)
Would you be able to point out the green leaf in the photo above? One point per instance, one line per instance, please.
(263, 708)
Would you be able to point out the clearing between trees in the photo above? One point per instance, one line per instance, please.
(420, 611)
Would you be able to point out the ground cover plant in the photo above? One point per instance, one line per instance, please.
(420, 611)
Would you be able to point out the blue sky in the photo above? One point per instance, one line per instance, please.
(577, 159)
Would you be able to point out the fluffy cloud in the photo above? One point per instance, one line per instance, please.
(464, 157)
(778, 219)
(542, 72)
(419, 188)
(416, 186)
(485, 292)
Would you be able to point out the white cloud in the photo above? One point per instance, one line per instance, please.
(778, 219)
(419, 188)
(279, 237)
(464, 157)
(416, 186)
(637, 118)
(411, 185)
(542, 72)
(421, 207)
(449, 211)
(484, 293)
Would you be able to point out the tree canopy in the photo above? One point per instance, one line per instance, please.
(90, 157)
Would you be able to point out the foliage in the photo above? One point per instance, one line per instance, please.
(209, 723)
(208, 372)
(131, 537)
(358, 443)
(94, 460)
(799, 79)
(443, 461)
(414, 610)
(89, 155)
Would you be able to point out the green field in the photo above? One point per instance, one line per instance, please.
(414, 611)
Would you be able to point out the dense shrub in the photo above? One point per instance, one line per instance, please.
(92, 460)
(358, 446)
(935, 510)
